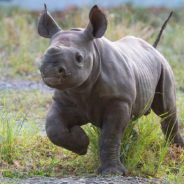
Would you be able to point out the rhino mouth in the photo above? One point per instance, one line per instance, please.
(52, 81)
(55, 80)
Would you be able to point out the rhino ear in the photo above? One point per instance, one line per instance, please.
(47, 26)
(98, 23)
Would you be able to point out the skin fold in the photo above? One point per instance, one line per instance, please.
(106, 83)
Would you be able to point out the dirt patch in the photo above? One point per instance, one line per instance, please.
(84, 180)
(23, 85)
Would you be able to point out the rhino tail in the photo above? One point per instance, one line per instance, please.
(162, 29)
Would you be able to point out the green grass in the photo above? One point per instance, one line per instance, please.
(145, 154)
(24, 152)
(33, 103)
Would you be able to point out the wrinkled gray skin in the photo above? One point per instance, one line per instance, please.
(106, 83)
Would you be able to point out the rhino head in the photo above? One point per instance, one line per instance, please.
(68, 61)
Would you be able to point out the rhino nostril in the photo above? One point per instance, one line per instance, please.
(61, 70)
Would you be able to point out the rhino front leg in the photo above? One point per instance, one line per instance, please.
(115, 122)
(73, 139)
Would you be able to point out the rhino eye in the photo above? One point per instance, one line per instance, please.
(78, 58)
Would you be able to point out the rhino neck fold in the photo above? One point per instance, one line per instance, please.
(95, 73)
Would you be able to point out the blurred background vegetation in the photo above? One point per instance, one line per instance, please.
(21, 47)
(25, 152)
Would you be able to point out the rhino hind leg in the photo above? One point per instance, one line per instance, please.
(169, 127)
(164, 105)
(169, 123)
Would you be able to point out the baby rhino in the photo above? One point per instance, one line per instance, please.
(106, 83)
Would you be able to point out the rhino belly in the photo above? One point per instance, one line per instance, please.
(146, 83)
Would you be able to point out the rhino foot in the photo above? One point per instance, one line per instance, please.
(118, 169)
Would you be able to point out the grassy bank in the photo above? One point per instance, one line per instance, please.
(24, 152)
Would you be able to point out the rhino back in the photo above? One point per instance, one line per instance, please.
(133, 68)
(147, 64)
